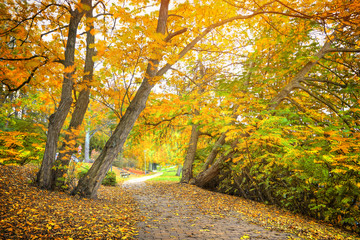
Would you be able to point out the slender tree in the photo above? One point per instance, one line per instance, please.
(57, 119)
(67, 148)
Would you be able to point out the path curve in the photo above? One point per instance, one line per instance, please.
(141, 179)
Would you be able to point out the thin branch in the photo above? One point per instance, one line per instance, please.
(325, 81)
(343, 50)
(21, 59)
(27, 80)
(333, 72)
(326, 103)
(205, 134)
(164, 120)
(175, 15)
(172, 35)
(292, 9)
(34, 16)
(103, 14)
(327, 90)
(54, 30)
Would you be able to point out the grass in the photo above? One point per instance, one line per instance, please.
(167, 176)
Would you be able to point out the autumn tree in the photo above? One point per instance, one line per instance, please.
(57, 119)
(90, 183)
(27, 59)
(290, 133)
(67, 148)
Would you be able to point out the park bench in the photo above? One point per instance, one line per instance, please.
(124, 174)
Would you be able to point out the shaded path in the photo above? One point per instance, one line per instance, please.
(169, 216)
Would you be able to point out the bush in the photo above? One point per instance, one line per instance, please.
(21, 142)
(82, 173)
(306, 171)
(109, 180)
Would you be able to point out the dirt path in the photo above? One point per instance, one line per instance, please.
(141, 179)
(170, 216)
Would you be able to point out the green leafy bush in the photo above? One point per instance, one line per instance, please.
(21, 142)
(83, 172)
(306, 169)
(109, 180)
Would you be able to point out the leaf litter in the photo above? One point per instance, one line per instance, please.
(188, 200)
(27, 212)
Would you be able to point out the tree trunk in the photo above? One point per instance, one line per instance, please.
(190, 155)
(212, 156)
(150, 166)
(89, 184)
(57, 119)
(209, 174)
(77, 117)
(87, 146)
(178, 172)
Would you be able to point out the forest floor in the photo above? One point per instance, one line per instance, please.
(182, 211)
(154, 210)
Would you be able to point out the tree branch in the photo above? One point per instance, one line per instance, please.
(26, 81)
(164, 120)
(325, 81)
(326, 103)
(172, 35)
(21, 59)
(343, 50)
(188, 47)
(51, 31)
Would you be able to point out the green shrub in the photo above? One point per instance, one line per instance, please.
(302, 170)
(109, 180)
(21, 142)
(82, 173)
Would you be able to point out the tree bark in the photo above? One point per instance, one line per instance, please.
(87, 146)
(89, 184)
(57, 119)
(190, 155)
(178, 172)
(77, 117)
(209, 174)
(212, 156)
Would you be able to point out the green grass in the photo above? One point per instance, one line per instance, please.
(167, 176)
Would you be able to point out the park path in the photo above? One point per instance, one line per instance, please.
(168, 215)
(141, 179)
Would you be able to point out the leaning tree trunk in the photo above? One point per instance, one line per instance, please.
(57, 119)
(89, 184)
(212, 156)
(77, 117)
(207, 175)
(190, 155)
